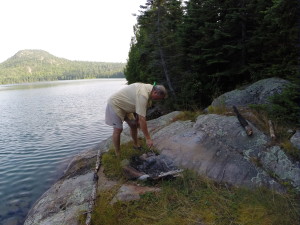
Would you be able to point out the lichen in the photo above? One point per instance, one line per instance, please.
(278, 163)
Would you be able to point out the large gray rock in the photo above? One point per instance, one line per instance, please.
(63, 202)
(275, 160)
(257, 93)
(217, 147)
(295, 139)
(69, 197)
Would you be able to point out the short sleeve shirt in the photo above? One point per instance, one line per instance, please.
(133, 98)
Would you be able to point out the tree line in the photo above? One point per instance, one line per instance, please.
(38, 65)
(200, 49)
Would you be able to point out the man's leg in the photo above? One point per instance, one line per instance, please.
(133, 131)
(116, 137)
(112, 119)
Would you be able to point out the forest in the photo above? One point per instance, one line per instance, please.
(200, 49)
(38, 65)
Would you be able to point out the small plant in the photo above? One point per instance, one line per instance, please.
(291, 150)
(188, 115)
(221, 110)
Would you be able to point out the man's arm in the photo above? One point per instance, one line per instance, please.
(143, 126)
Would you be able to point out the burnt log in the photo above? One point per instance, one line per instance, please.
(243, 122)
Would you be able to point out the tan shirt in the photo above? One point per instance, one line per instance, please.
(133, 98)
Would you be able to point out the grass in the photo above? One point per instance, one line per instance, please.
(191, 199)
(113, 165)
(290, 149)
(188, 115)
(218, 109)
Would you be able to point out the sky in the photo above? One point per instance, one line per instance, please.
(86, 30)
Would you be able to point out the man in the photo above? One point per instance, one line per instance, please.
(134, 98)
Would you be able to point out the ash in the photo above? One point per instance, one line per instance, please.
(152, 164)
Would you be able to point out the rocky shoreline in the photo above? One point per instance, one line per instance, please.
(215, 146)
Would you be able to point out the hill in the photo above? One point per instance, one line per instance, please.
(39, 65)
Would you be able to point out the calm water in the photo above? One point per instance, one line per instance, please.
(42, 126)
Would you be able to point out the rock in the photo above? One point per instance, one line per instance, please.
(295, 139)
(159, 123)
(129, 192)
(276, 161)
(257, 93)
(104, 183)
(70, 195)
(217, 147)
(63, 202)
(11, 221)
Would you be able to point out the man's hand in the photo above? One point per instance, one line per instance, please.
(149, 143)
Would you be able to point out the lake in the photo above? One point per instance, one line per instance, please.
(42, 126)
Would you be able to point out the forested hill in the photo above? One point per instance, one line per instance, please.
(39, 65)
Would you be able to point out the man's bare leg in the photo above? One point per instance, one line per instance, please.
(116, 138)
(133, 131)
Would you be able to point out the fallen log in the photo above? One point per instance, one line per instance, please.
(243, 122)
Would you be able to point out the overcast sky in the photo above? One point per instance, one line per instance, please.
(88, 30)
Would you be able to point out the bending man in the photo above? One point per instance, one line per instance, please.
(133, 99)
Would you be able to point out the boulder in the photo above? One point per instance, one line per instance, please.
(295, 139)
(257, 93)
(63, 202)
(277, 162)
(70, 195)
(217, 147)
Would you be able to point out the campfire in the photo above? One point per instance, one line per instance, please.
(150, 166)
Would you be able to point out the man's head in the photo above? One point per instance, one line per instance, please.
(159, 92)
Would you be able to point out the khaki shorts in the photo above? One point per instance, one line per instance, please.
(111, 118)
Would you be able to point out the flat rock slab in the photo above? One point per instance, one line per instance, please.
(63, 202)
(130, 192)
(217, 147)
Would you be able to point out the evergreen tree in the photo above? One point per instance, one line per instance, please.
(155, 44)
(209, 47)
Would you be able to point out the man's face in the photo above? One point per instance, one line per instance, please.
(155, 95)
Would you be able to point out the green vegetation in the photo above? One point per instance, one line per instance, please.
(204, 48)
(37, 65)
(217, 109)
(191, 199)
(291, 150)
(188, 115)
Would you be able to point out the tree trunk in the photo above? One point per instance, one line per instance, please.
(162, 57)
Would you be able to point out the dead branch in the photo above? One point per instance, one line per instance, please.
(272, 133)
